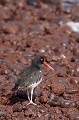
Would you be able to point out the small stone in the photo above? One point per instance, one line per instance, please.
(53, 103)
(53, 97)
(3, 100)
(30, 112)
(76, 51)
(10, 28)
(66, 103)
(73, 114)
(77, 40)
(72, 59)
(3, 2)
(33, 3)
(77, 69)
(74, 80)
(57, 86)
(17, 107)
(71, 90)
(42, 50)
(55, 58)
(63, 56)
(2, 113)
(23, 60)
(67, 5)
(44, 97)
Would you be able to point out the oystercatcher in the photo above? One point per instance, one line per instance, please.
(31, 76)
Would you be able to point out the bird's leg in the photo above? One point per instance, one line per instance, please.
(31, 95)
(28, 95)
(31, 102)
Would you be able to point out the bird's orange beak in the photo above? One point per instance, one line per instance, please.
(46, 64)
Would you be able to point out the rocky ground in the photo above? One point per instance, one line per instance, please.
(27, 28)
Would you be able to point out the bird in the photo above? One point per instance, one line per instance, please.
(31, 76)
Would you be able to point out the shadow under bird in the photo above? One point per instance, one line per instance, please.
(31, 76)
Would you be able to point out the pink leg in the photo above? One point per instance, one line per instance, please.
(30, 100)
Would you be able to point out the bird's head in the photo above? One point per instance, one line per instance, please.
(38, 61)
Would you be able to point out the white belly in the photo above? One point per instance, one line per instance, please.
(35, 84)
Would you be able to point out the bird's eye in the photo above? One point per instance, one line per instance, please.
(42, 60)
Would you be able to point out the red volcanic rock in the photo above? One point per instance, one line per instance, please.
(29, 27)
(57, 86)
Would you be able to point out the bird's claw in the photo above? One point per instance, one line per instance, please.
(31, 102)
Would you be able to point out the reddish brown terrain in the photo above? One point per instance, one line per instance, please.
(29, 29)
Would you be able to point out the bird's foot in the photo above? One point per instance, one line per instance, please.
(31, 102)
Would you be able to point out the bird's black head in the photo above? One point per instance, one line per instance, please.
(38, 61)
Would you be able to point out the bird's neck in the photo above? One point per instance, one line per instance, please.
(35, 66)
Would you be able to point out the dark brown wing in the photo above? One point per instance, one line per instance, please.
(27, 76)
(22, 77)
(36, 76)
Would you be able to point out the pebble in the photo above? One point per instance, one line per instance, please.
(53, 97)
(34, 3)
(3, 100)
(62, 102)
(71, 71)
(77, 69)
(5, 12)
(66, 103)
(3, 2)
(2, 113)
(58, 87)
(67, 96)
(63, 56)
(67, 5)
(71, 90)
(73, 59)
(53, 103)
(42, 50)
(73, 116)
(47, 116)
(77, 40)
(23, 60)
(30, 112)
(55, 58)
(17, 107)
(76, 51)
(9, 28)
(74, 80)
(77, 104)
(44, 97)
